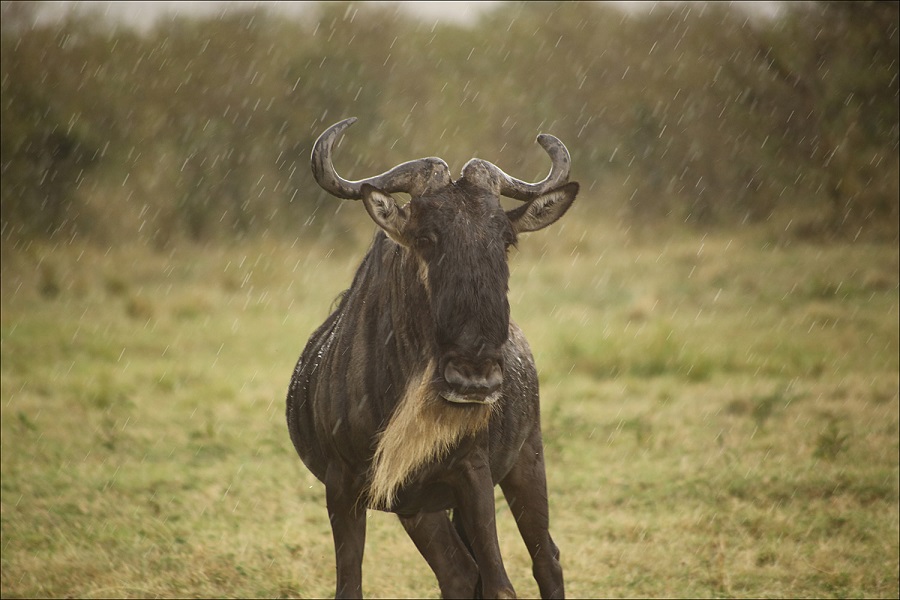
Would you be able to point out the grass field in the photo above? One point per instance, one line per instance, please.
(720, 413)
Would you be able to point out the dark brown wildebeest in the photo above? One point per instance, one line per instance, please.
(418, 394)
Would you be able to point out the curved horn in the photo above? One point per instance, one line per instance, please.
(414, 177)
(516, 188)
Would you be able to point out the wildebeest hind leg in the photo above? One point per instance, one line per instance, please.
(525, 489)
(444, 552)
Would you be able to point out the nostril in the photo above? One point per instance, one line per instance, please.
(491, 376)
(454, 376)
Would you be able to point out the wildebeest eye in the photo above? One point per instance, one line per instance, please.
(426, 241)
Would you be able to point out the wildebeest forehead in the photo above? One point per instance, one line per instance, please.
(464, 216)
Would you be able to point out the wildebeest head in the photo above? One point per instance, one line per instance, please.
(459, 234)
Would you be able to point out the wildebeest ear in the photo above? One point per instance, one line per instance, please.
(543, 210)
(385, 212)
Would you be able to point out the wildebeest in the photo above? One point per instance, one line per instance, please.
(418, 393)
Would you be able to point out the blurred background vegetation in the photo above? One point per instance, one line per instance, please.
(201, 128)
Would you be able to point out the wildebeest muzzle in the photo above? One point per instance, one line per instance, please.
(471, 380)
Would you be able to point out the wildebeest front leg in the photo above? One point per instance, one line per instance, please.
(525, 489)
(476, 510)
(445, 553)
(348, 527)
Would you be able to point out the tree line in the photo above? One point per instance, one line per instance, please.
(201, 128)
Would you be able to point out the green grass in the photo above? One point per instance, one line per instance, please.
(720, 417)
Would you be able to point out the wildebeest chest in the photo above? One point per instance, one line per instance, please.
(418, 393)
